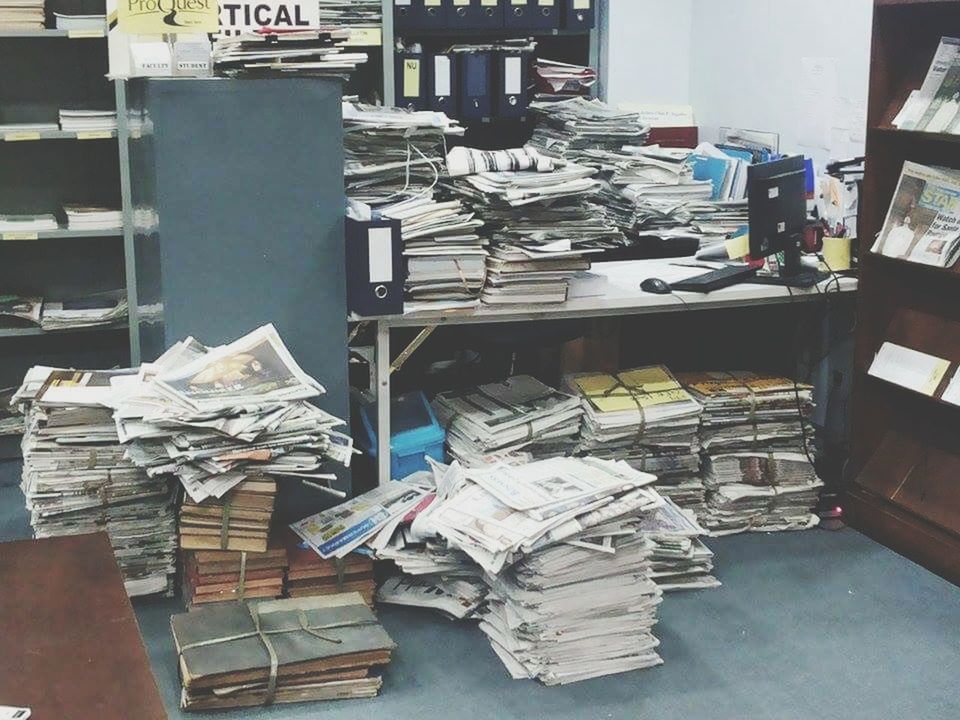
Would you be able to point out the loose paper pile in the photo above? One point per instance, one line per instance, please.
(76, 479)
(21, 14)
(241, 655)
(215, 417)
(515, 421)
(555, 79)
(644, 416)
(567, 128)
(269, 51)
(755, 445)
(680, 560)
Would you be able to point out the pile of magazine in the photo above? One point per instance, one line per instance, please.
(644, 417)
(272, 51)
(923, 222)
(755, 459)
(216, 416)
(77, 479)
(680, 560)
(539, 219)
(515, 421)
(351, 12)
(392, 154)
(935, 106)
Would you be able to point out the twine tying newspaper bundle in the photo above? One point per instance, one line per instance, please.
(752, 417)
(225, 523)
(240, 591)
(264, 635)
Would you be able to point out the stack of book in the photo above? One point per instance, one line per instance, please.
(240, 520)
(77, 480)
(87, 120)
(756, 447)
(21, 14)
(235, 655)
(222, 575)
(80, 217)
(645, 417)
(309, 575)
(515, 421)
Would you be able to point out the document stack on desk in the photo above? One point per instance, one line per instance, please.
(299, 650)
(680, 560)
(539, 219)
(391, 154)
(76, 479)
(446, 256)
(269, 51)
(217, 417)
(644, 416)
(755, 446)
(515, 422)
(22, 15)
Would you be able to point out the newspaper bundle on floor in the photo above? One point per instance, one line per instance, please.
(923, 223)
(755, 442)
(392, 154)
(644, 416)
(216, 416)
(515, 421)
(269, 51)
(680, 560)
(935, 106)
(539, 219)
(76, 479)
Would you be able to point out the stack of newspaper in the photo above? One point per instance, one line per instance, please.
(99, 310)
(77, 480)
(644, 416)
(559, 80)
(923, 223)
(515, 421)
(351, 12)
(392, 154)
(80, 217)
(538, 218)
(267, 51)
(216, 416)
(755, 451)
(935, 106)
(680, 560)
(11, 421)
(87, 120)
(568, 128)
(28, 223)
(446, 257)
(21, 14)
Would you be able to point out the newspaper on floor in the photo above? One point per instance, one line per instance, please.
(680, 560)
(923, 222)
(502, 419)
(645, 417)
(215, 416)
(76, 478)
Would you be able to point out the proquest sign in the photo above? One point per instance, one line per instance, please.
(159, 17)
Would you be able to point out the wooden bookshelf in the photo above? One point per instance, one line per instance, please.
(904, 492)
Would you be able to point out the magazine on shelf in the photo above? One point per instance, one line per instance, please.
(923, 223)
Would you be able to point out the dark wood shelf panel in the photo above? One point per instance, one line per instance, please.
(914, 135)
(917, 270)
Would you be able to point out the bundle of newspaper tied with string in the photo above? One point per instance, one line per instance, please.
(555, 549)
(757, 452)
(539, 216)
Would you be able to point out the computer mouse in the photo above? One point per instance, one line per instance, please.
(655, 286)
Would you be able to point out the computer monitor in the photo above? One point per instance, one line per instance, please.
(777, 194)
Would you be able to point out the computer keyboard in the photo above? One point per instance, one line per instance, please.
(715, 279)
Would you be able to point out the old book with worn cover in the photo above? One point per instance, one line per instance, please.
(238, 654)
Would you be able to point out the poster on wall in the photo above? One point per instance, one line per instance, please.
(240, 16)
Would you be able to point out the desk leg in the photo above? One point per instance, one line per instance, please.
(383, 402)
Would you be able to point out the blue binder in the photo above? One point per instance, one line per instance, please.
(513, 81)
(375, 270)
(476, 97)
(411, 15)
(442, 79)
(532, 14)
(475, 14)
(411, 80)
(579, 14)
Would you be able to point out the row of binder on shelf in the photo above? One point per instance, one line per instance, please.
(467, 84)
(453, 15)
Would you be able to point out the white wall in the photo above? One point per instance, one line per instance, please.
(649, 51)
(797, 67)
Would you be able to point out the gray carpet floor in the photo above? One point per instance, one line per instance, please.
(813, 624)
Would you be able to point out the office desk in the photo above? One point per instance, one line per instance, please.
(70, 645)
(622, 298)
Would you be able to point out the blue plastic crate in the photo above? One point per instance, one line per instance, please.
(415, 434)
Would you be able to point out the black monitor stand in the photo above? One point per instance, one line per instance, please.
(792, 272)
